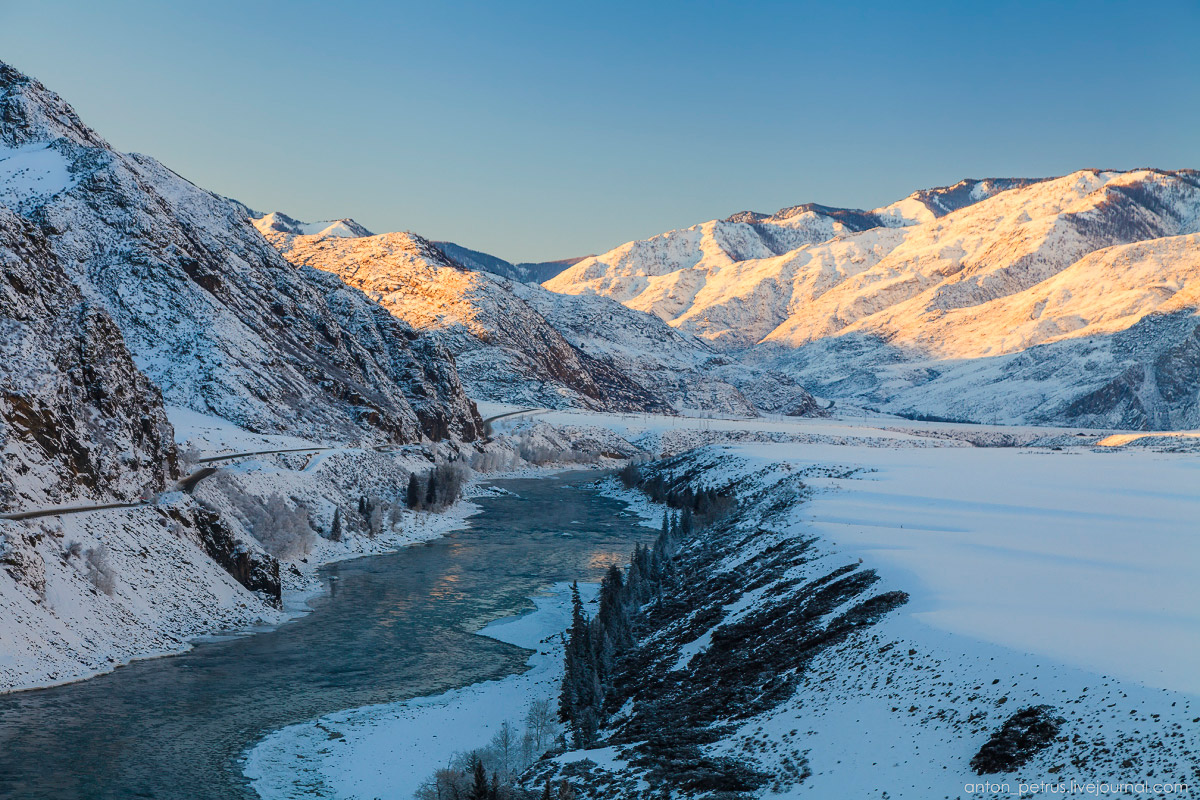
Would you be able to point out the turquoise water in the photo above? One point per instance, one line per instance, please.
(392, 627)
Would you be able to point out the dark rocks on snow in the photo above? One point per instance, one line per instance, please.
(1019, 739)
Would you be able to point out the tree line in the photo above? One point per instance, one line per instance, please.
(436, 490)
(700, 506)
(593, 647)
(492, 772)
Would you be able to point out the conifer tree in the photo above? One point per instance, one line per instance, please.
(431, 492)
(335, 528)
(479, 788)
(413, 497)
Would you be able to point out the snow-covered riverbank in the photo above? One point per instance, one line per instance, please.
(1035, 577)
(389, 750)
(99, 589)
(1059, 574)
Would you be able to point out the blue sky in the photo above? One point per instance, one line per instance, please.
(546, 130)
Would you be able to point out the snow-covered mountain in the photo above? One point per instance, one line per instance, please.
(1059, 300)
(526, 271)
(337, 227)
(504, 350)
(518, 343)
(128, 294)
(211, 314)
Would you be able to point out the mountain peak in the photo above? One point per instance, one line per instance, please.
(345, 228)
(29, 112)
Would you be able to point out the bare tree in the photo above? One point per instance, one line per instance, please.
(541, 722)
(99, 570)
(284, 531)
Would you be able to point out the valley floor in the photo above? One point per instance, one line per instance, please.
(1056, 570)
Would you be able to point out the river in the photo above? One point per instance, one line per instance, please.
(392, 627)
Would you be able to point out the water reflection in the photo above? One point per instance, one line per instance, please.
(396, 626)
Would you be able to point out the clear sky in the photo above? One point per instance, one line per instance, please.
(546, 130)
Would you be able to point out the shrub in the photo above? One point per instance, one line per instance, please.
(99, 570)
(283, 531)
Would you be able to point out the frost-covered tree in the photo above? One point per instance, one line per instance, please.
(284, 531)
(374, 517)
(99, 571)
(539, 722)
(504, 743)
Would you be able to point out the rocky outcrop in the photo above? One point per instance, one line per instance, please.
(248, 565)
(77, 419)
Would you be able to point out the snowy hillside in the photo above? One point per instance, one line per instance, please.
(685, 368)
(122, 286)
(923, 306)
(518, 343)
(212, 315)
(504, 349)
(872, 624)
(77, 419)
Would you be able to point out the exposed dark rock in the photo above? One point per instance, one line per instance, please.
(249, 565)
(1019, 739)
(79, 419)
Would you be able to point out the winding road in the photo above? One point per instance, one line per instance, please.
(185, 484)
(188, 482)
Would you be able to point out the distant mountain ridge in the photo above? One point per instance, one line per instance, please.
(525, 272)
(920, 206)
(516, 342)
(980, 300)
(478, 261)
(346, 228)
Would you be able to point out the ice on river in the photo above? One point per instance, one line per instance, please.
(388, 750)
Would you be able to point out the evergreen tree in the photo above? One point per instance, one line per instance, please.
(546, 790)
(431, 492)
(413, 497)
(479, 786)
(335, 529)
(666, 526)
